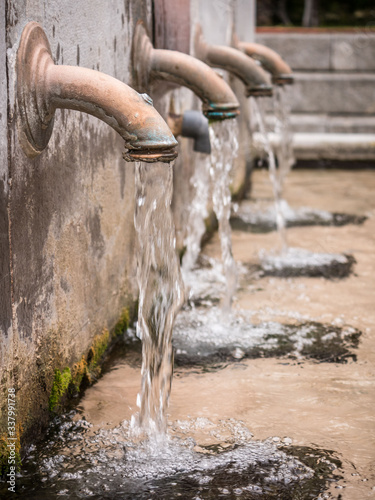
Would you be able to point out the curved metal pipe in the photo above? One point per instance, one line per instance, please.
(256, 80)
(42, 87)
(194, 125)
(270, 60)
(150, 65)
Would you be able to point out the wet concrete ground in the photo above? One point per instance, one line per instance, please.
(320, 405)
(328, 405)
(298, 403)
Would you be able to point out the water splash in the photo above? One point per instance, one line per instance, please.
(259, 119)
(197, 212)
(224, 144)
(160, 291)
(82, 462)
(201, 341)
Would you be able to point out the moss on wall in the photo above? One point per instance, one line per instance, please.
(67, 382)
(123, 323)
(71, 381)
(60, 387)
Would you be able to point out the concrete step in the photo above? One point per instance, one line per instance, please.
(324, 123)
(333, 93)
(324, 51)
(343, 147)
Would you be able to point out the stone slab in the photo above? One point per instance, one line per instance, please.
(324, 51)
(317, 146)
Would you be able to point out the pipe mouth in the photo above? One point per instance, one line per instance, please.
(219, 112)
(283, 79)
(151, 155)
(260, 91)
(217, 115)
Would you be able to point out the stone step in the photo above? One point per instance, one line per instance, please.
(324, 123)
(343, 147)
(324, 51)
(333, 93)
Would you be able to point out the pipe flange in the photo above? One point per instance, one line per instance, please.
(35, 122)
(260, 91)
(141, 57)
(283, 79)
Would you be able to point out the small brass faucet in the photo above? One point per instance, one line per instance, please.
(42, 87)
(151, 65)
(256, 80)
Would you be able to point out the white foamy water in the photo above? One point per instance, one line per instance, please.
(207, 281)
(224, 144)
(204, 332)
(298, 258)
(160, 290)
(110, 461)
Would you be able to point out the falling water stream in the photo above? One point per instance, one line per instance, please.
(224, 144)
(198, 211)
(282, 128)
(160, 291)
(276, 179)
(290, 261)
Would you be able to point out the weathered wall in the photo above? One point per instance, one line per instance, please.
(5, 278)
(71, 208)
(68, 268)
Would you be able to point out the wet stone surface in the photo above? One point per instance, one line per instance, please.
(76, 462)
(335, 267)
(203, 337)
(251, 219)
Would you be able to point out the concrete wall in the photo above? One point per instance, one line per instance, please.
(71, 208)
(6, 339)
(68, 268)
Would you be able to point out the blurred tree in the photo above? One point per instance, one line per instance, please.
(282, 12)
(310, 13)
(315, 13)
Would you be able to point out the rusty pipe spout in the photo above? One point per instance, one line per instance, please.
(42, 87)
(151, 65)
(270, 60)
(256, 80)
